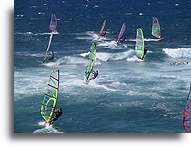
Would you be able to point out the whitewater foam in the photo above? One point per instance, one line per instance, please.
(106, 56)
(36, 83)
(40, 33)
(93, 84)
(90, 35)
(70, 60)
(85, 54)
(134, 59)
(111, 44)
(146, 40)
(46, 129)
(178, 52)
(38, 55)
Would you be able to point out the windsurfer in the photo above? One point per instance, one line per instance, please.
(145, 51)
(95, 74)
(49, 56)
(57, 113)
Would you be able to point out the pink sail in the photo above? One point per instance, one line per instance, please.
(53, 23)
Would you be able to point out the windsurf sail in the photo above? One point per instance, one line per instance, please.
(156, 28)
(51, 97)
(53, 23)
(139, 47)
(187, 113)
(102, 32)
(121, 35)
(91, 62)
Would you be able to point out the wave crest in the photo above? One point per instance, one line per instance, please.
(106, 56)
(178, 52)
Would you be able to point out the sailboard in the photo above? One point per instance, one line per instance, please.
(103, 29)
(91, 62)
(139, 47)
(121, 35)
(50, 99)
(53, 23)
(156, 32)
(187, 113)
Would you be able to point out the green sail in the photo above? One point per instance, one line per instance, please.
(51, 97)
(91, 62)
(156, 28)
(139, 47)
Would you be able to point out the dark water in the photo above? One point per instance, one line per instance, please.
(129, 95)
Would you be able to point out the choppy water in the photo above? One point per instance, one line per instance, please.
(129, 95)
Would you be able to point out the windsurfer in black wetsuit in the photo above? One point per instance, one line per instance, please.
(49, 56)
(145, 51)
(95, 74)
(57, 113)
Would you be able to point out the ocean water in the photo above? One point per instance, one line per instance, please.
(129, 95)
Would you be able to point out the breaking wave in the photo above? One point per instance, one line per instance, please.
(178, 52)
(32, 33)
(38, 55)
(90, 35)
(146, 40)
(47, 129)
(111, 44)
(69, 60)
(106, 56)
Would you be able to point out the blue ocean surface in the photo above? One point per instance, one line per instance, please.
(129, 95)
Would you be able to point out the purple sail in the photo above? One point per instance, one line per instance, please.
(121, 35)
